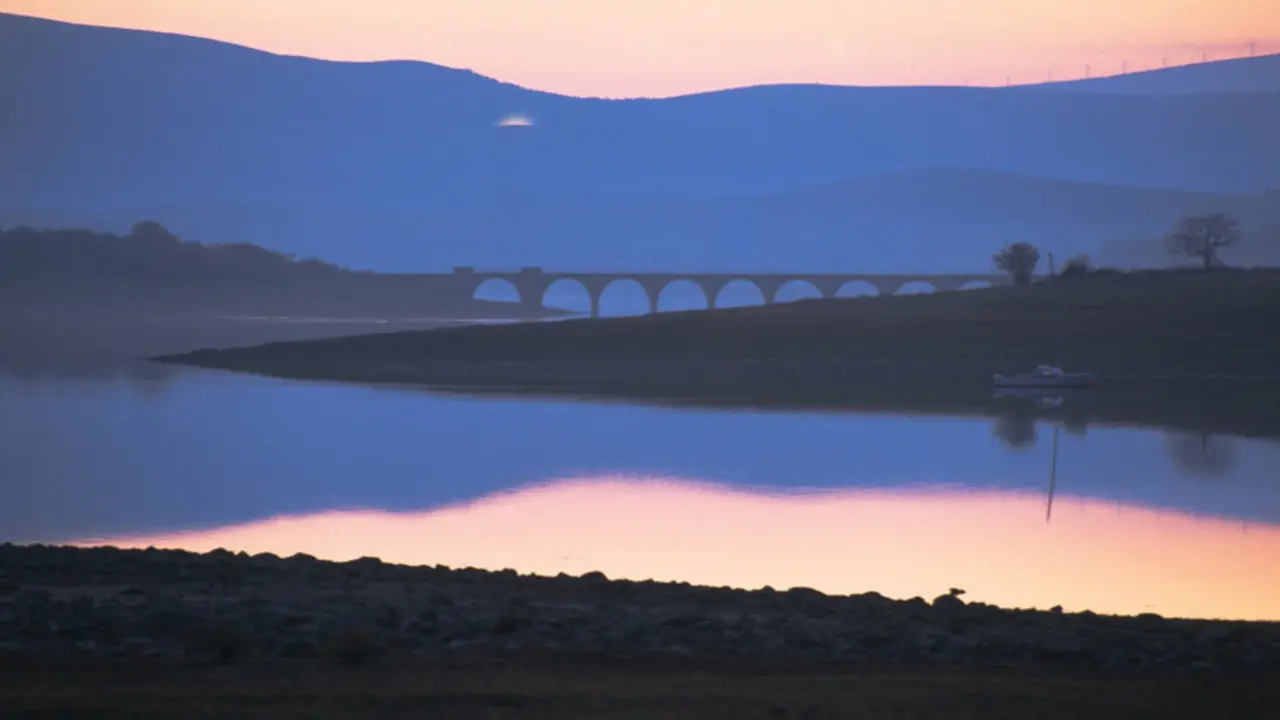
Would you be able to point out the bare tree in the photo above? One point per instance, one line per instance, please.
(1202, 236)
(1019, 260)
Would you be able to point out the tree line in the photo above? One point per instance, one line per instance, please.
(1199, 238)
(148, 253)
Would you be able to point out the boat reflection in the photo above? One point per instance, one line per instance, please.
(1096, 555)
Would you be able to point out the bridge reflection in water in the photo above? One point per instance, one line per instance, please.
(1095, 555)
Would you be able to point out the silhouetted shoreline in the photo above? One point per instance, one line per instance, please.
(131, 632)
(233, 607)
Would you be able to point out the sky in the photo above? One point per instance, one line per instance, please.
(632, 48)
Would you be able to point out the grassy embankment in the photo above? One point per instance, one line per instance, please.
(1215, 335)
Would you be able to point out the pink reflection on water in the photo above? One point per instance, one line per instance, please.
(1096, 555)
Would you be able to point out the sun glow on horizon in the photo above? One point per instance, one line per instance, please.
(1093, 554)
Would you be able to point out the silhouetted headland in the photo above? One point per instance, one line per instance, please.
(57, 276)
(1182, 349)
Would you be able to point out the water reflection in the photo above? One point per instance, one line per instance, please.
(136, 453)
(1106, 556)
(1017, 428)
(1203, 454)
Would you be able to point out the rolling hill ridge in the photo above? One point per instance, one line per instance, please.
(400, 165)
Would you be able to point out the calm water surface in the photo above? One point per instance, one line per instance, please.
(1136, 520)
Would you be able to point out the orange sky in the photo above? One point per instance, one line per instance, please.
(1095, 555)
(617, 48)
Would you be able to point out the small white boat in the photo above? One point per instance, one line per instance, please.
(1047, 376)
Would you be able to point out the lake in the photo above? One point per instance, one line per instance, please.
(1135, 520)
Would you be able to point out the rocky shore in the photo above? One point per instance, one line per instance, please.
(225, 607)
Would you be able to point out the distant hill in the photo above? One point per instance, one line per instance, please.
(151, 271)
(1237, 75)
(911, 221)
(148, 254)
(400, 164)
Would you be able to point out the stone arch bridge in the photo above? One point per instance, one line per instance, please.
(532, 283)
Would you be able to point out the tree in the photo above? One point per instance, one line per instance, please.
(1202, 236)
(1019, 260)
(151, 231)
(1078, 266)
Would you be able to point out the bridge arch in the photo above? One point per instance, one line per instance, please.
(740, 293)
(682, 294)
(857, 288)
(497, 290)
(624, 296)
(799, 289)
(568, 294)
(916, 287)
(974, 285)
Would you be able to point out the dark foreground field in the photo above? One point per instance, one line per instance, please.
(110, 633)
(603, 688)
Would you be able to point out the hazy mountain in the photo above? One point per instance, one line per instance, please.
(114, 117)
(919, 220)
(1238, 75)
(400, 165)
(148, 271)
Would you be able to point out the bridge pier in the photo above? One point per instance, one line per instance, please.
(828, 288)
(595, 290)
(711, 290)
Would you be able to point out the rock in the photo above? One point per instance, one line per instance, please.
(301, 647)
(136, 646)
(223, 641)
(29, 596)
(805, 593)
(1062, 642)
(916, 607)
(356, 647)
(511, 623)
(389, 617)
(948, 603)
